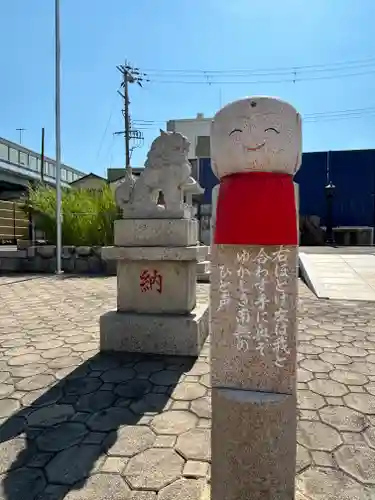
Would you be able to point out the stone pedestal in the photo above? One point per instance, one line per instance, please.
(251, 438)
(156, 289)
(170, 334)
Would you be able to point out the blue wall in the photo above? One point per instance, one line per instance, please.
(312, 177)
(352, 172)
(207, 179)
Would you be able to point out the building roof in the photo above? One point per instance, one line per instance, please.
(91, 175)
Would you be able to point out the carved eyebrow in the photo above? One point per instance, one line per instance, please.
(235, 130)
(271, 128)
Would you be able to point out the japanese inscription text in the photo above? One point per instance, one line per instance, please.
(151, 280)
(259, 286)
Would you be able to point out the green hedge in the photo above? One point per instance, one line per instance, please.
(87, 215)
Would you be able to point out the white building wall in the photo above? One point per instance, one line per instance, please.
(191, 128)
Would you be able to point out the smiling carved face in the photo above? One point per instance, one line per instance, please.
(256, 134)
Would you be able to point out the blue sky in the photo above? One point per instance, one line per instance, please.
(187, 35)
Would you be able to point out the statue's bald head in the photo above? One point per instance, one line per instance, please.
(256, 134)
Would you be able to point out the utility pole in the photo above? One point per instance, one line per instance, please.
(58, 138)
(20, 130)
(129, 75)
(125, 84)
(42, 158)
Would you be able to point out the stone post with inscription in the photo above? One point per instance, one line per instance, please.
(256, 150)
(156, 248)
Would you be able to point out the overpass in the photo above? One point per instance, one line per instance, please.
(20, 166)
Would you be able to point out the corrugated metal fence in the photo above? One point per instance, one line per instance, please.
(352, 172)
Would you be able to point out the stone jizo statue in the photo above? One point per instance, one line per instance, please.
(256, 150)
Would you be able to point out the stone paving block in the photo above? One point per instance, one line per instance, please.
(195, 445)
(173, 422)
(21, 484)
(12, 452)
(131, 440)
(153, 469)
(195, 469)
(143, 495)
(303, 458)
(62, 436)
(358, 461)
(318, 436)
(114, 465)
(164, 441)
(101, 487)
(331, 484)
(73, 464)
(184, 489)
(53, 492)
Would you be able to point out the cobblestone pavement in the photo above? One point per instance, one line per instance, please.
(78, 425)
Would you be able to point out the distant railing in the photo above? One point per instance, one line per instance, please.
(23, 160)
(14, 223)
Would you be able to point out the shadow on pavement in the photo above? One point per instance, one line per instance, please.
(53, 445)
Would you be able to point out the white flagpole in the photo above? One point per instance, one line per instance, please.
(58, 137)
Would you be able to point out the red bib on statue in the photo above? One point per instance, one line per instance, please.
(256, 208)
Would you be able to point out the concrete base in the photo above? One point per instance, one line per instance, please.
(155, 232)
(253, 445)
(155, 333)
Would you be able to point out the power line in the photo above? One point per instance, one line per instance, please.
(290, 74)
(292, 79)
(105, 130)
(338, 66)
(308, 117)
(338, 118)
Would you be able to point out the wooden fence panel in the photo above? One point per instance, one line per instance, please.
(14, 224)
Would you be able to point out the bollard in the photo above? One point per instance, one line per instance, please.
(256, 150)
